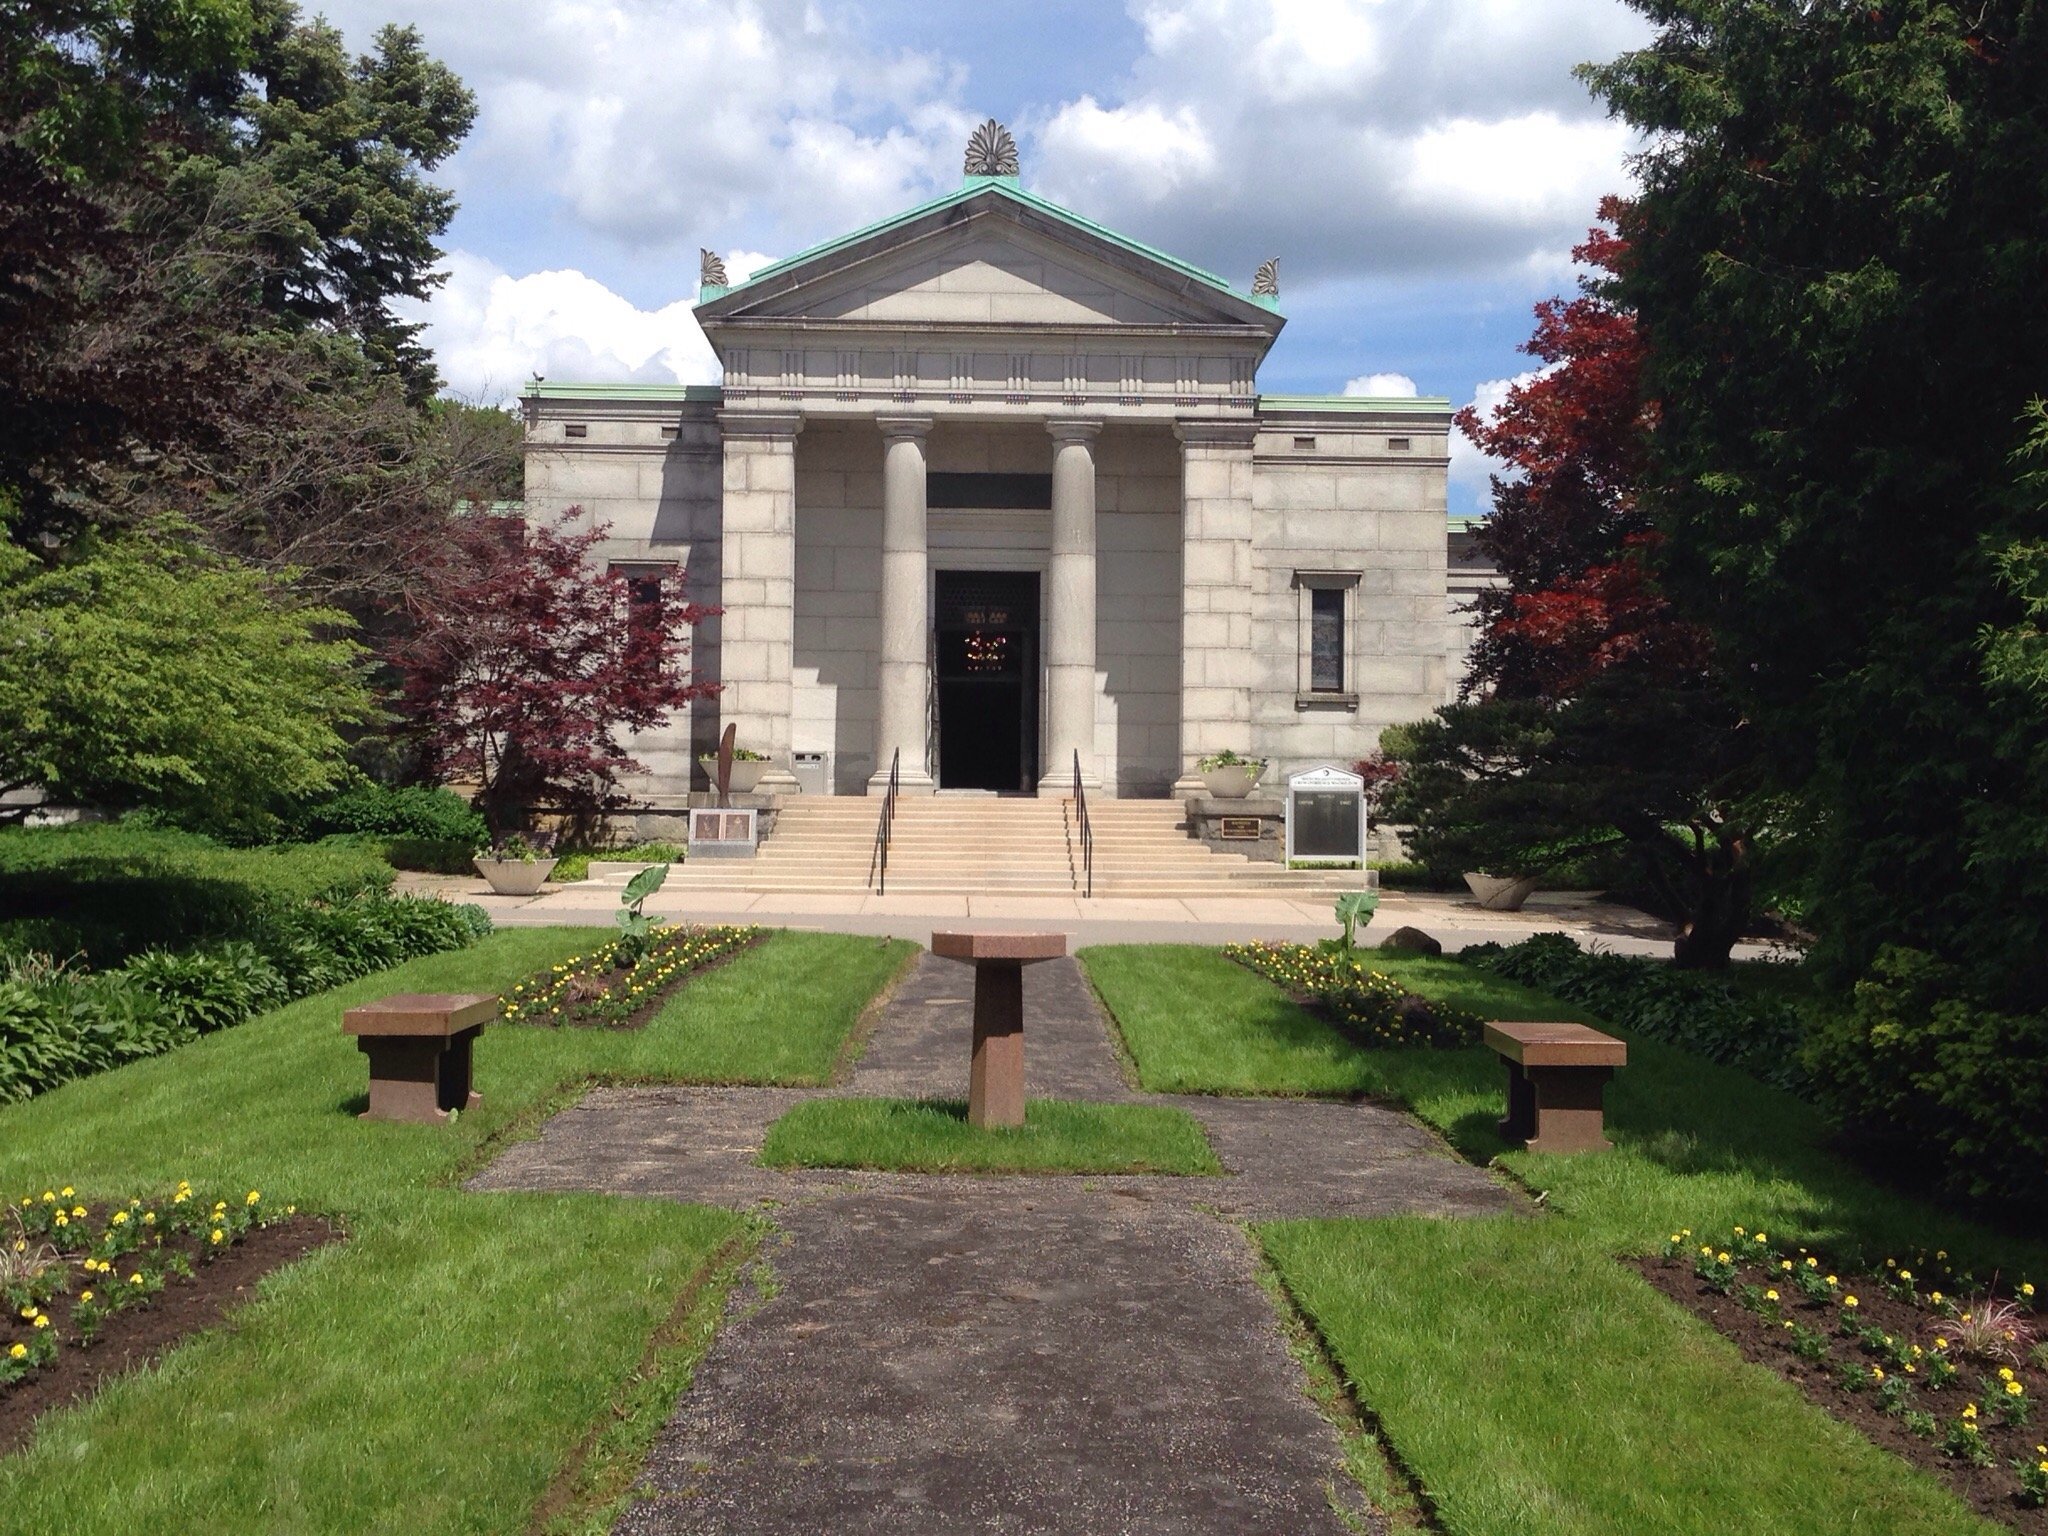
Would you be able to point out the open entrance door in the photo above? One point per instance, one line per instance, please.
(987, 675)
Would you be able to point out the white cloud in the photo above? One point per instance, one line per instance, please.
(1471, 466)
(1536, 168)
(491, 331)
(1382, 385)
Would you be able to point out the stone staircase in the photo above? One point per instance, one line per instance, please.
(984, 845)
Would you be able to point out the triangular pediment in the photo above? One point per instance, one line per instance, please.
(989, 260)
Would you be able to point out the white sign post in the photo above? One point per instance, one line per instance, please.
(1326, 817)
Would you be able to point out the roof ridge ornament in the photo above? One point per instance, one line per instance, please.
(1266, 281)
(991, 151)
(710, 269)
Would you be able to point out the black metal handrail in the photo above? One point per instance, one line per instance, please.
(1087, 832)
(885, 827)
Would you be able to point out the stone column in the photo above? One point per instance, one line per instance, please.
(757, 589)
(904, 678)
(1070, 608)
(1216, 593)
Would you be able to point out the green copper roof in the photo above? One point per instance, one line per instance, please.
(688, 393)
(1378, 405)
(1005, 186)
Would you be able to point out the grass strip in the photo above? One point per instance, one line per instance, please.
(436, 1372)
(933, 1136)
(1485, 1346)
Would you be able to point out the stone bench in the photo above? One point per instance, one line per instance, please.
(419, 1049)
(1557, 1084)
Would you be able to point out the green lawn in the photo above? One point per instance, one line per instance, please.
(1535, 1385)
(933, 1136)
(435, 1373)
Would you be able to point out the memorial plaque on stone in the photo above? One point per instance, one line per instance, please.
(1326, 816)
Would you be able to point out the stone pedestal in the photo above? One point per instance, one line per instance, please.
(995, 1091)
(1557, 1084)
(419, 1045)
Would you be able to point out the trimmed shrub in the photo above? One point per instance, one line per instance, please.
(1695, 1010)
(110, 890)
(414, 812)
(1919, 1073)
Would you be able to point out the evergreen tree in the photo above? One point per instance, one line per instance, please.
(1839, 252)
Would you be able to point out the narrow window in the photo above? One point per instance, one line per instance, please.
(1398, 444)
(669, 433)
(1326, 640)
(575, 429)
(1304, 445)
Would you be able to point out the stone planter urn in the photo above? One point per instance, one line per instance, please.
(514, 877)
(1501, 893)
(1232, 782)
(746, 774)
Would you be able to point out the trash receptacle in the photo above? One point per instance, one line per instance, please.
(808, 769)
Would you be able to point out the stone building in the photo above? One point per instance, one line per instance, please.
(989, 488)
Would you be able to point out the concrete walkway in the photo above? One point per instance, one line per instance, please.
(1456, 921)
(999, 1354)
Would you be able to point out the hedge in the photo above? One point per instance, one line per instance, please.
(110, 890)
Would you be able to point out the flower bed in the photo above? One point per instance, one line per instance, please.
(1936, 1366)
(1338, 984)
(91, 1288)
(594, 989)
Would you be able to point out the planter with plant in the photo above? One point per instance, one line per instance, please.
(1229, 777)
(517, 865)
(747, 768)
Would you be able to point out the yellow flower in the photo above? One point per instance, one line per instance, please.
(1812, 1262)
(119, 1219)
(1941, 1253)
(1935, 1297)
(1760, 1237)
(18, 1352)
(149, 1218)
(2014, 1389)
(49, 1195)
(63, 1220)
(1833, 1281)
(2005, 1373)
(1941, 1343)
(1721, 1258)
(217, 1235)
(67, 1192)
(2027, 1289)
(1785, 1264)
(1969, 1410)
(1877, 1373)
(42, 1320)
(28, 1312)
(1738, 1231)
(78, 1211)
(85, 1295)
(1905, 1274)
(136, 1278)
(1848, 1301)
(1770, 1295)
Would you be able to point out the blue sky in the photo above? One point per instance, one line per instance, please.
(1420, 167)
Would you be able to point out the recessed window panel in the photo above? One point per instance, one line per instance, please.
(1326, 640)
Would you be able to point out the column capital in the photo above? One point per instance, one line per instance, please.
(1211, 432)
(764, 425)
(897, 429)
(1074, 429)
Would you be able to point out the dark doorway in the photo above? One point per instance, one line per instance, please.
(987, 624)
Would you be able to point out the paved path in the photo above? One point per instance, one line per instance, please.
(1455, 920)
(1003, 1354)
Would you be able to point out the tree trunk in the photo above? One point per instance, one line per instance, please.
(1719, 909)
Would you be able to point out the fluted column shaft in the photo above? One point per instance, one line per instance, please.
(1070, 607)
(904, 678)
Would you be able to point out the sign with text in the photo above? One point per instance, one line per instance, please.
(1326, 816)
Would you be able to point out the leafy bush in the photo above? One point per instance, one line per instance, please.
(1362, 999)
(445, 856)
(1701, 1012)
(58, 1022)
(110, 890)
(1918, 1070)
(426, 815)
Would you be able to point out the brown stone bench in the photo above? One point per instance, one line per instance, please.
(419, 1049)
(1557, 1081)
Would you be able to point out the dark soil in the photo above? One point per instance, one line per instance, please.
(1992, 1491)
(136, 1336)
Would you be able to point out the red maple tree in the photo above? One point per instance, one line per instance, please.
(521, 662)
(1568, 532)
